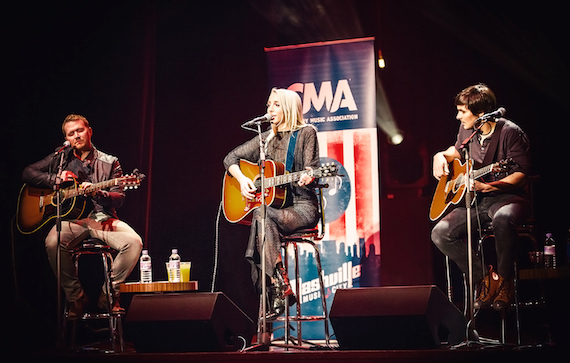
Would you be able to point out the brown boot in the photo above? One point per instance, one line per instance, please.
(505, 294)
(488, 289)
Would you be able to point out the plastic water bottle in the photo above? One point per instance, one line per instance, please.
(146, 267)
(174, 266)
(549, 252)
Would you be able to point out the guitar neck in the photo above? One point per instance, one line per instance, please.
(281, 179)
(483, 171)
(74, 191)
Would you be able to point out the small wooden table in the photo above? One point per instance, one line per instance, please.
(158, 286)
(562, 272)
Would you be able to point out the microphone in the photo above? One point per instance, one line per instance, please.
(498, 113)
(258, 120)
(65, 145)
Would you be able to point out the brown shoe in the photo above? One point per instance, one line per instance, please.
(103, 303)
(77, 308)
(488, 289)
(117, 308)
(505, 294)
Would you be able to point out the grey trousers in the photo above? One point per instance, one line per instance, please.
(114, 232)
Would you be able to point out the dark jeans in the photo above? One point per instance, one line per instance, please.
(505, 212)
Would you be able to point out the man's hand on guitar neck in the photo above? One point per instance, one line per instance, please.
(508, 183)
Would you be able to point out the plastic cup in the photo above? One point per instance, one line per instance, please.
(185, 271)
(170, 273)
(536, 259)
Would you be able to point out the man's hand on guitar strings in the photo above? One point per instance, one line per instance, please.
(440, 166)
(67, 175)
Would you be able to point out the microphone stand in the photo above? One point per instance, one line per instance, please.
(468, 200)
(56, 188)
(263, 338)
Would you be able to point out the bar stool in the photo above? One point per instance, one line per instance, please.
(307, 237)
(94, 246)
(526, 231)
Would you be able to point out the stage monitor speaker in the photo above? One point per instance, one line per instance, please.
(187, 322)
(398, 317)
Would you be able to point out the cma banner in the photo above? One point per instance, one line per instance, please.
(336, 82)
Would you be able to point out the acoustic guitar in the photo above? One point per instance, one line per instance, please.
(37, 207)
(238, 209)
(450, 189)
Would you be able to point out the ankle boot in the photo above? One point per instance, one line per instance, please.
(488, 289)
(505, 294)
(284, 285)
(276, 302)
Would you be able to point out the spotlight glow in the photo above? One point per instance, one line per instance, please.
(396, 139)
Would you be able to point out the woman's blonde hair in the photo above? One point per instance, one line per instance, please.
(292, 108)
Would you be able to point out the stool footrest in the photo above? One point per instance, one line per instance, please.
(94, 316)
(301, 318)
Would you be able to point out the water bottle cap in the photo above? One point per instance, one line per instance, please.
(175, 250)
(145, 252)
(549, 235)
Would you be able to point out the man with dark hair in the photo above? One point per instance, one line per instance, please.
(500, 197)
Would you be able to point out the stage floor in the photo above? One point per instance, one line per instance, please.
(474, 353)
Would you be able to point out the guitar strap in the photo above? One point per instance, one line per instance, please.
(291, 151)
(490, 155)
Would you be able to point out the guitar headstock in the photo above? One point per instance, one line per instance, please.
(502, 165)
(327, 170)
(132, 181)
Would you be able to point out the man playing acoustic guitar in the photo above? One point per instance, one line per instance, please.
(86, 166)
(500, 197)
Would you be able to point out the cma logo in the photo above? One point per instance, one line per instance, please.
(342, 97)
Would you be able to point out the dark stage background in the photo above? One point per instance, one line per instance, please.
(167, 83)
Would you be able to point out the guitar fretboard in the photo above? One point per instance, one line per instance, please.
(126, 181)
(324, 171)
(281, 179)
(483, 171)
(460, 180)
(75, 191)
